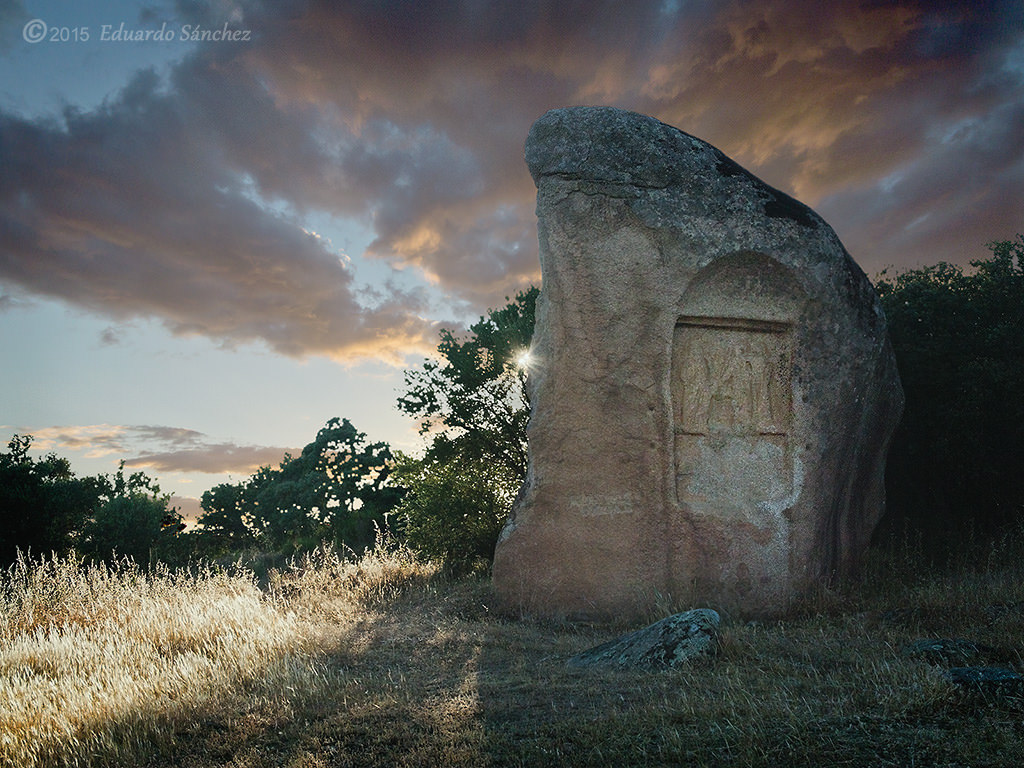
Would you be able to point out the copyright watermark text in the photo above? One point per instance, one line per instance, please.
(38, 31)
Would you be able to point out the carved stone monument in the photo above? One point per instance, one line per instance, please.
(713, 393)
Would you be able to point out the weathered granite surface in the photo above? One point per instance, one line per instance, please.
(988, 681)
(949, 651)
(675, 640)
(714, 390)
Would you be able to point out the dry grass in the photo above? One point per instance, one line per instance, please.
(100, 663)
(385, 662)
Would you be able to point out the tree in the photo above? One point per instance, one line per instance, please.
(132, 520)
(474, 402)
(132, 526)
(473, 399)
(45, 508)
(335, 489)
(453, 511)
(958, 456)
(42, 504)
(226, 525)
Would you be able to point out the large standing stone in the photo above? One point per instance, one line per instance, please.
(714, 390)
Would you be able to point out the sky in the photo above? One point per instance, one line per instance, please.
(224, 222)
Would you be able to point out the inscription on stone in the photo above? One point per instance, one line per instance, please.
(732, 402)
(732, 376)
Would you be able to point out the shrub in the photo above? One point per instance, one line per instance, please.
(454, 511)
(957, 459)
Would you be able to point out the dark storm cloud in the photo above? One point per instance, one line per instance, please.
(185, 199)
(819, 96)
(822, 100)
(12, 20)
(962, 192)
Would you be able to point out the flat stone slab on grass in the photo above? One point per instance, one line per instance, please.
(670, 642)
(988, 681)
(945, 651)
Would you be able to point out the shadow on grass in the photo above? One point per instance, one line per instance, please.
(432, 678)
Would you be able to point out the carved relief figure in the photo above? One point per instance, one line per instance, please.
(731, 380)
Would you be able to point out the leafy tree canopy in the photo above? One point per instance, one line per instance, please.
(959, 342)
(453, 511)
(335, 489)
(472, 399)
(45, 508)
(42, 503)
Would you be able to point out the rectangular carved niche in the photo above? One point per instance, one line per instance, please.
(732, 376)
(732, 404)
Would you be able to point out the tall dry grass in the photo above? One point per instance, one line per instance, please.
(378, 661)
(101, 663)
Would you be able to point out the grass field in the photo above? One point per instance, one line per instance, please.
(385, 662)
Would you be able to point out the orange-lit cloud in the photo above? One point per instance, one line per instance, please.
(157, 448)
(108, 439)
(217, 458)
(183, 198)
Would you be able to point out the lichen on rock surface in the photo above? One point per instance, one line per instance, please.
(670, 642)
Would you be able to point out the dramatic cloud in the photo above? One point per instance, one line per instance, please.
(962, 191)
(185, 198)
(157, 448)
(135, 210)
(12, 18)
(212, 459)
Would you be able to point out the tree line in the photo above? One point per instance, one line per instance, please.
(342, 488)
(45, 508)
(956, 461)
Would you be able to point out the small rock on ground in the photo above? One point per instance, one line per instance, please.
(950, 652)
(988, 681)
(667, 643)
